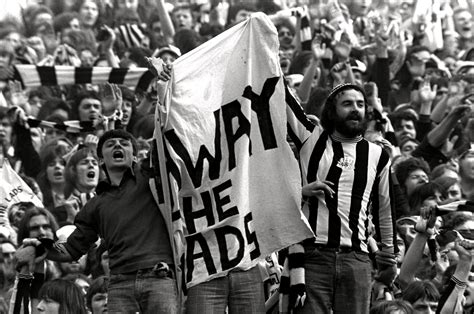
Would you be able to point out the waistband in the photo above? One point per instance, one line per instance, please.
(159, 270)
(338, 249)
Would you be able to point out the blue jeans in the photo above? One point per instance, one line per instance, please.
(337, 281)
(142, 292)
(239, 291)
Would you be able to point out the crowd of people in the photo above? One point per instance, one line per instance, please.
(386, 158)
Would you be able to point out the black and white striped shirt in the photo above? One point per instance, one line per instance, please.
(360, 171)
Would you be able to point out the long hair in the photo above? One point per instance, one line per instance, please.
(71, 173)
(66, 293)
(24, 225)
(48, 154)
(328, 113)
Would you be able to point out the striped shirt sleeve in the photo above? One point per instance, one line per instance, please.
(383, 204)
(298, 125)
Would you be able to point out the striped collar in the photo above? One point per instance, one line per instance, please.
(342, 139)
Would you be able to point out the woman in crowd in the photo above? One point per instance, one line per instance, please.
(51, 177)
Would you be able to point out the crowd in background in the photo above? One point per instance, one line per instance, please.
(414, 59)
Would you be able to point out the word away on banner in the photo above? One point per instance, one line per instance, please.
(238, 188)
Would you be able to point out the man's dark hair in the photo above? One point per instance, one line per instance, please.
(397, 117)
(116, 134)
(328, 114)
(235, 8)
(99, 285)
(423, 289)
(406, 167)
(421, 193)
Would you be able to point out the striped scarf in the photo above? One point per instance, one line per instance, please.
(35, 76)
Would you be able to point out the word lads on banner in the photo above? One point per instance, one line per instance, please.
(238, 182)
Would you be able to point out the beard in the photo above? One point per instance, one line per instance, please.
(352, 125)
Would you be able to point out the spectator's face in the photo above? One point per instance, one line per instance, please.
(350, 112)
(126, 111)
(242, 15)
(463, 24)
(5, 131)
(117, 153)
(55, 171)
(406, 128)
(87, 58)
(432, 200)
(423, 306)
(285, 36)
(14, 39)
(168, 58)
(406, 9)
(5, 59)
(454, 192)
(99, 303)
(87, 174)
(40, 227)
(48, 306)
(466, 166)
(8, 252)
(74, 24)
(408, 148)
(89, 109)
(415, 178)
(17, 213)
(361, 7)
(183, 18)
(42, 18)
(127, 4)
(89, 13)
(50, 134)
(156, 30)
(417, 63)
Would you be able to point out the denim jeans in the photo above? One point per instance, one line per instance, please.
(336, 282)
(142, 292)
(240, 291)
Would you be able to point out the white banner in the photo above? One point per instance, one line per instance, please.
(239, 187)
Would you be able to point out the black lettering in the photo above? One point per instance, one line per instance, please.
(190, 215)
(221, 201)
(229, 112)
(221, 234)
(204, 254)
(195, 172)
(251, 236)
(261, 106)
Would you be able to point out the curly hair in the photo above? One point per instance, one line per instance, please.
(406, 167)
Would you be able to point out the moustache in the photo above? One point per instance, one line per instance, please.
(353, 116)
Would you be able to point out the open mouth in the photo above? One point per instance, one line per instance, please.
(58, 174)
(118, 154)
(91, 174)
